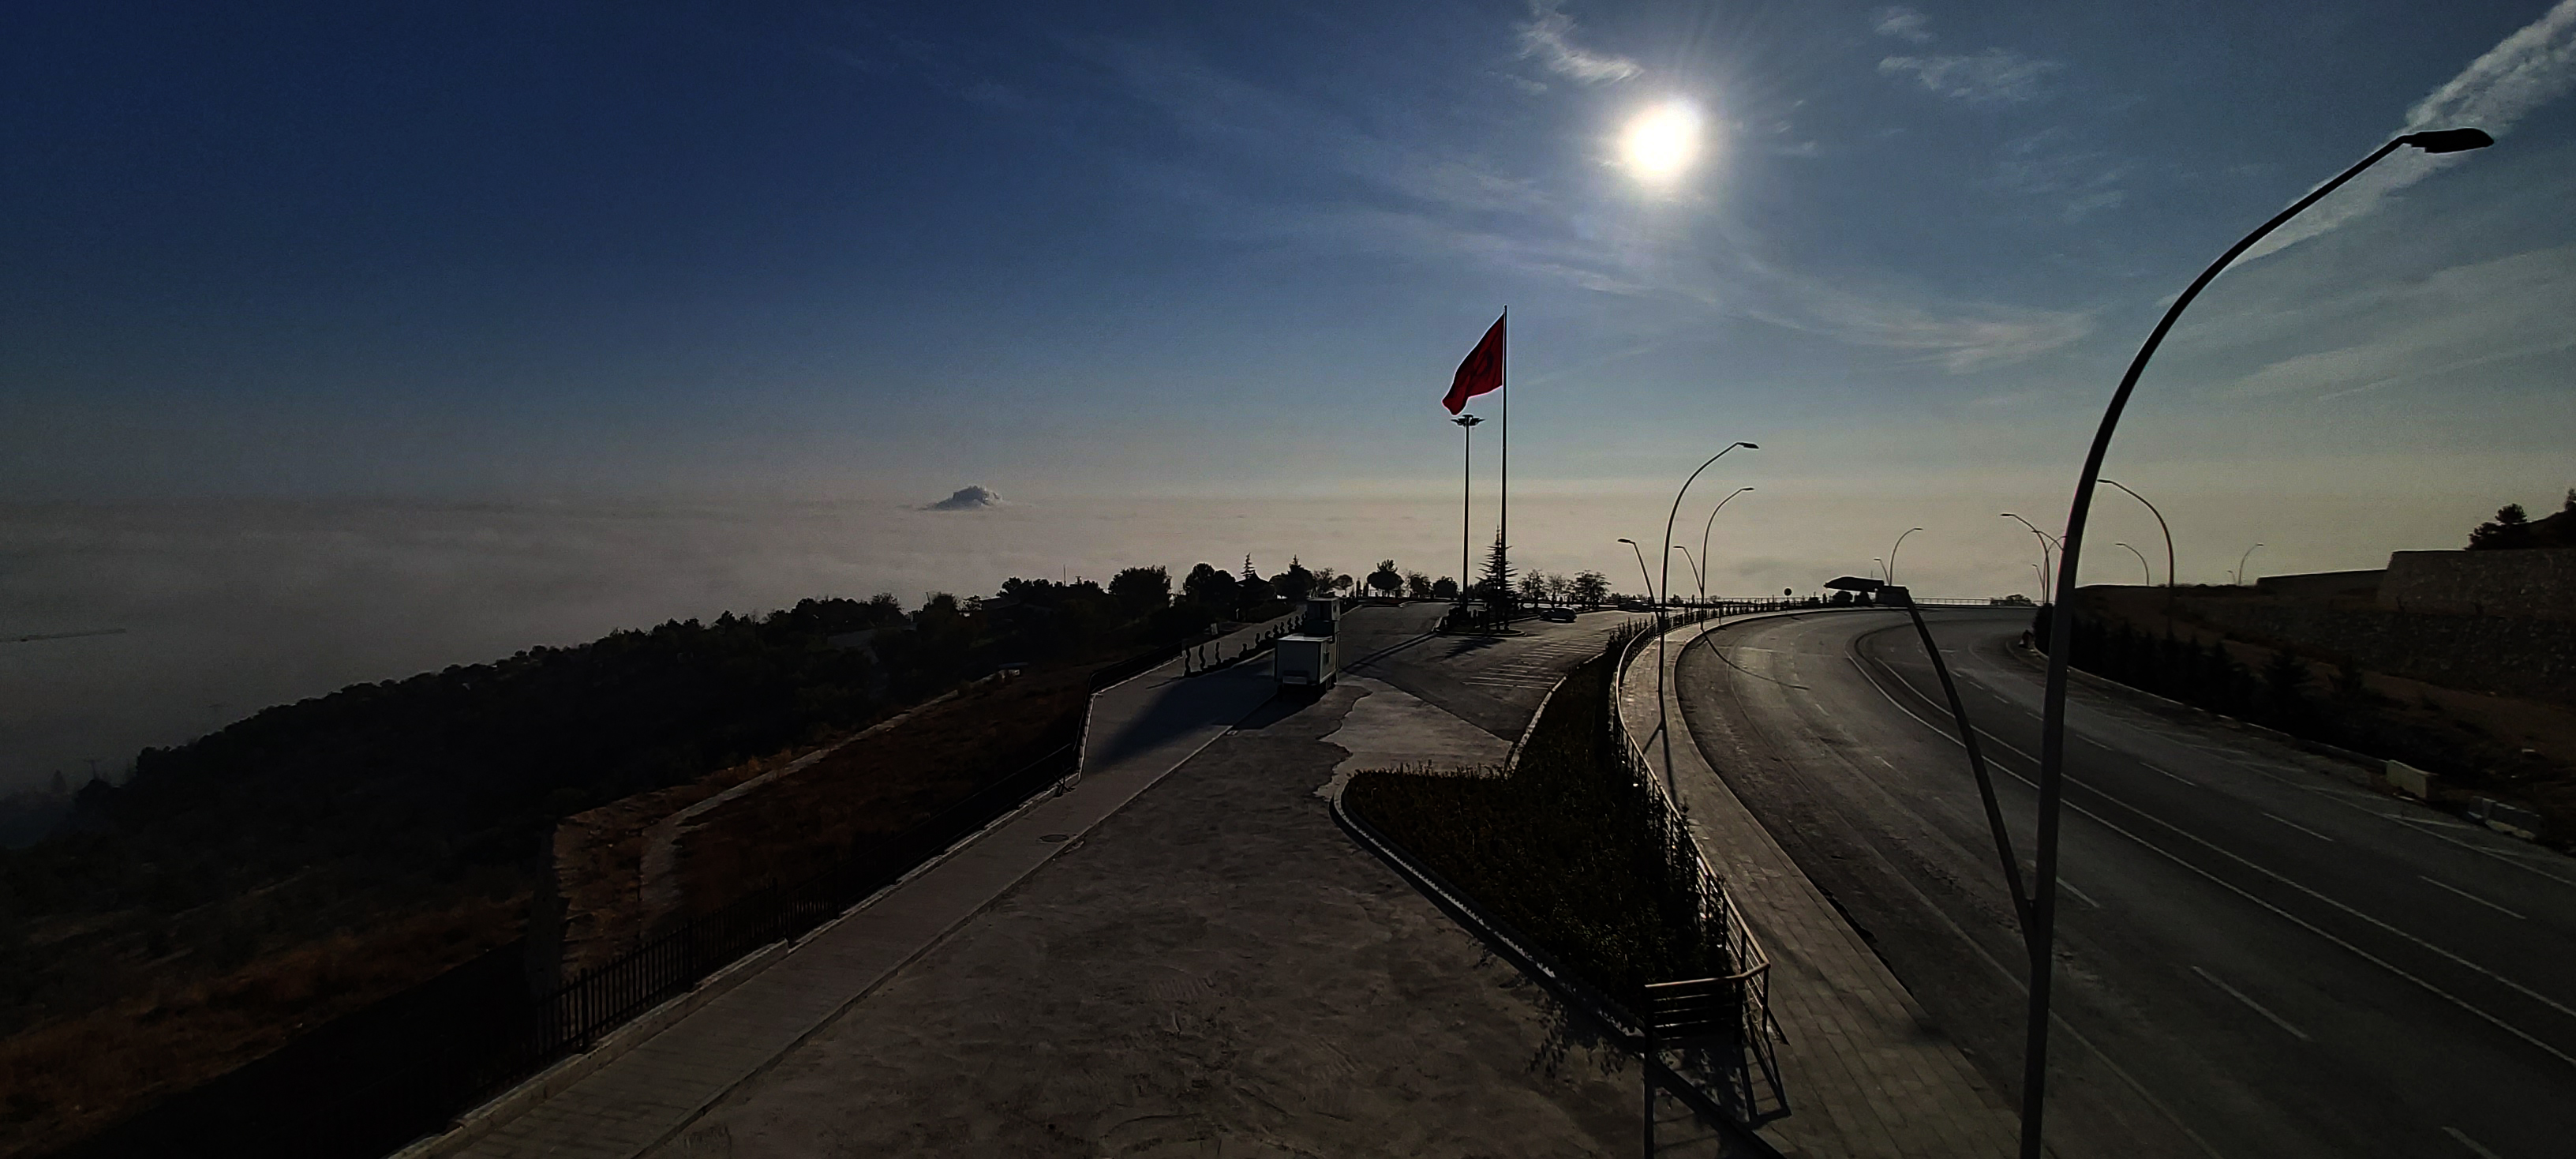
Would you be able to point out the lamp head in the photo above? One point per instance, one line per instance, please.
(1628, 541)
(2448, 140)
(1758, 446)
(1466, 420)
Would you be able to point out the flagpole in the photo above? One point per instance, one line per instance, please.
(1503, 548)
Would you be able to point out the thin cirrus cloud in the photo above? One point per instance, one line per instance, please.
(2524, 71)
(1903, 24)
(1426, 203)
(1994, 77)
(1547, 38)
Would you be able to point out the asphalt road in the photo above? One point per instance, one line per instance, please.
(2256, 956)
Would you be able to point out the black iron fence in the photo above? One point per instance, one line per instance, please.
(1747, 987)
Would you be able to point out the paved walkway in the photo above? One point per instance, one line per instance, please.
(1140, 730)
(1864, 1073)
(1217, 970)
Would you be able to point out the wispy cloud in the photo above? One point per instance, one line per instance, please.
(2080, 181)
(1547, 38)
(1413, 201)
(1902, 23)
(2524, 71)
(2436, 328)
(1994, 77)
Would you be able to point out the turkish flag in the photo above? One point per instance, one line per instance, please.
(1481, 372)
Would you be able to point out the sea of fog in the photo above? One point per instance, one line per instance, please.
(231, 607)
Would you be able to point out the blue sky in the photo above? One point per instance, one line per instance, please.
(1198, 259)
(521, 249)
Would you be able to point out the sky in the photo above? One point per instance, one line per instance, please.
(338, 342)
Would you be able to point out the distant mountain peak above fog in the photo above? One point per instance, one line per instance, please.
(967, 499)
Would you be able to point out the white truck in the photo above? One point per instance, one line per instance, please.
(1303, 661)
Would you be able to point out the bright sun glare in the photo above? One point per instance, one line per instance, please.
(1662, 141)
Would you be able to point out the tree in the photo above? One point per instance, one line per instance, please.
(1328, 581)
(1296, 583)
(1534, 587)
(1417, 584)
(1139, 590)
(2510, 529)
(1590, 588)
(1444, 588)
(1558, 588)
(1343, 583)
(1386, 578)
(1255, 595)
(1495, 586)
(1211, 589)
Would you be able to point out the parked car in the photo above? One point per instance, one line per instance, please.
(1558, 615)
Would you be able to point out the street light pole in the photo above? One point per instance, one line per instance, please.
(2237, 578)
(1703, 533)
(1662, 616)
(2061, 624)
(2160, 526)
(2045, 542)
(1642, 573)
(1891, 553)
(1684, 548)
(2143, 569)
(1466, 508)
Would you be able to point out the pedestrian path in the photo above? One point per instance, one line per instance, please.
(1540, 667)
(1863, 1072)
(641, 1089)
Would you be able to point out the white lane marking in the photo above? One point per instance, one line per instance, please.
(2286, 915)
(2069, 887)
(2174, 775)
(2471, 1144)
(2178, 830)
(2295, 825)
(2252, 1005)
(2471, 896)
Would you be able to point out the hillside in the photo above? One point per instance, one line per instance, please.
(321, 855)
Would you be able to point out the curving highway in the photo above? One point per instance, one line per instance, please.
(2258, 956)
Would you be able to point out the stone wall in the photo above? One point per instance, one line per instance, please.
(2531, 584)
(2511, 657)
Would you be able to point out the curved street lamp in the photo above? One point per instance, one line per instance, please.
(2061, 626)
(1696, 578)
(2237, 578)
(1703, 533)
(1663, 614)
(2046, 541)
(2160, 526)
(2149, 572)
(1891, 553)
(1641, 565)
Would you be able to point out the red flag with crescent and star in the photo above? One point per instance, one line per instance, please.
(1481, 372)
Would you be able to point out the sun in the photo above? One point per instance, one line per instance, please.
(1662, 141)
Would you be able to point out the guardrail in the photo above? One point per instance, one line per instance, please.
(1750, 978)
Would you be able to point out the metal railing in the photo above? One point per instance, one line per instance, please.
(1750, 973)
